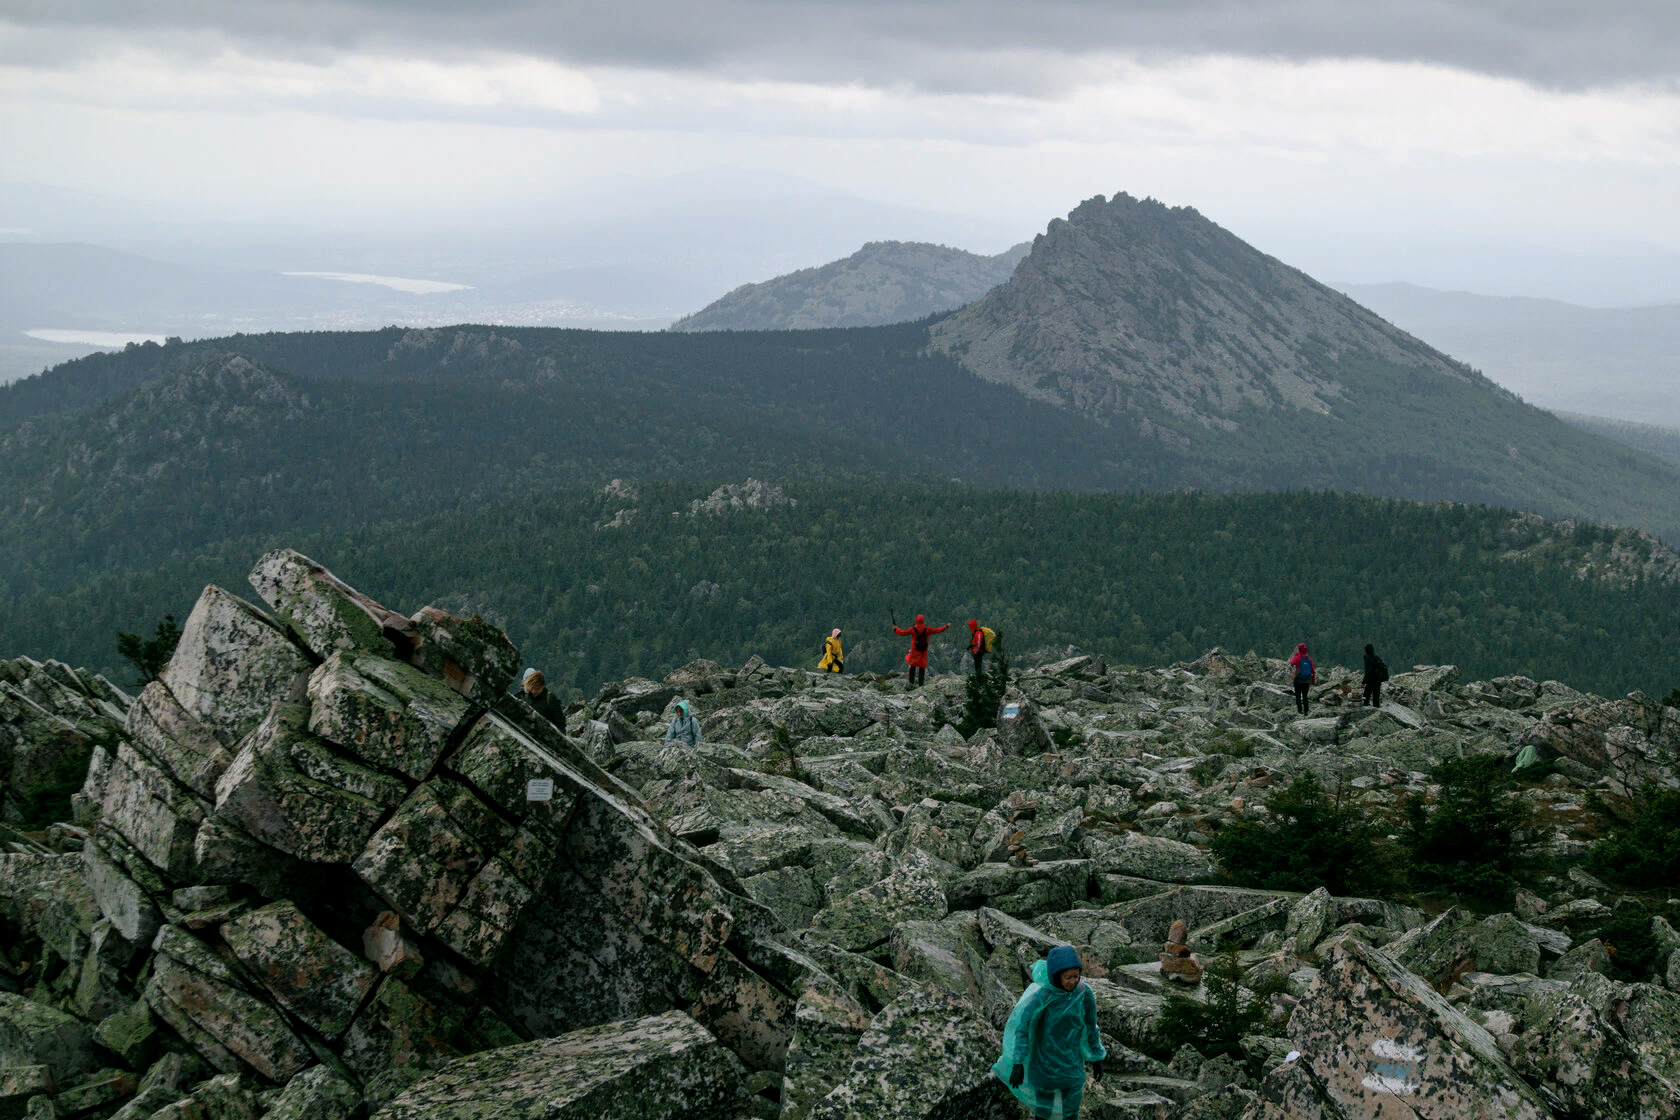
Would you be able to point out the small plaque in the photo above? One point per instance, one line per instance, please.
(539, 789)
(1010, 711)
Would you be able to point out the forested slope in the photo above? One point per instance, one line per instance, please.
(1143, 579)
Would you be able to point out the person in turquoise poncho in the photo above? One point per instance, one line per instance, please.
(1050, 1036)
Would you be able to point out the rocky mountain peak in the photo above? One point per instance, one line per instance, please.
(1131, 309)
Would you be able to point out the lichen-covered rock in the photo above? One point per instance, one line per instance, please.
(826, 1030)
(664, 1067)
(323, 611)
(1020, 729)
(152, 812)
(1502, 944)
(1023, 892)
(272, 791)
(383, 711)
(791, 893)
(1150, 918)
(231, 664)
(1583, 1064)
(313, 977)
(159, 727)
(318, 1093)
(33, 1034)
(1377, 1041)
(1310, 919)
(1439, 952)
(195, 992)
(402, 1034)
(470, 655)
(1242, 929)
(864, 919)
(45, 896)
(1150, 857)
(422, 859)
(927, 1054)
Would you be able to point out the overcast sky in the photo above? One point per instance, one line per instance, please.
(1366, 138)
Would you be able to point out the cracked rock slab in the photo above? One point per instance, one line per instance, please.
(664, 1067)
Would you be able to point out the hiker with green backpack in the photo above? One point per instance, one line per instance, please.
(1375, 674)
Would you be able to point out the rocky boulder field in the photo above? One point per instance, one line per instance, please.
(327, 868)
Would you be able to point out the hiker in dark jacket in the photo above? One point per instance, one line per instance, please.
(1303, 674)
(541, 699)
(917, 658)
(1375, 674)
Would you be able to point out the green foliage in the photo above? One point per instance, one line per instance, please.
(1635, 952)
(1143, 579)
(1214, 1028)
(1065, 738)
(1209, 768)
(1642, 848)
(982, 695)
(783, 756)
(1672, 700)
(1475, 839)
(149, 656)
(1232, 744)
(1311, 838)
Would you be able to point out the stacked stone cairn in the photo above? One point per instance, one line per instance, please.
(327, 867)
(1178, 963)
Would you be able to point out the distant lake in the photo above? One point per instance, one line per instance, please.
(400, 283)
(99, 340)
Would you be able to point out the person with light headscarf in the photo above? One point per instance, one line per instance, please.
(834, 658)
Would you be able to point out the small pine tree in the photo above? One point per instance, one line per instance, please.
(1214, 1028)
(150, 656)
(982, 696)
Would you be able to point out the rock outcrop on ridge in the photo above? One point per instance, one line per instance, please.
(328, 868)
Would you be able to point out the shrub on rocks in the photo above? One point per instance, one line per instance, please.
(1312, 838)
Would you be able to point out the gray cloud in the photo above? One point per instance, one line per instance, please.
(966, 45)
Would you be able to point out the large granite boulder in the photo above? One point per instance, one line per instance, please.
(290, 790)
(927, 1054)
(662, 1067)
(232, 663)
(33, 1034)
(1377, 1041)
(1150, 857)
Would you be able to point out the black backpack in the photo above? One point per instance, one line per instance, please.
(921, 638)
(1382, 671)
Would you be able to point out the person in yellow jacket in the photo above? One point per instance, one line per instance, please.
(834, 658)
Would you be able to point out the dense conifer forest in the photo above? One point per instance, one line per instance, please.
(1143, 579)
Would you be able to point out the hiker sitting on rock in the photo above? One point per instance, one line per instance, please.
(918, 656)
(1304, 674)
(1050, 1036)
(684, 727)
(834, 658)
(541, 699)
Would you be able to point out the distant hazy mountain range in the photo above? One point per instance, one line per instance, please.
(883, 282)
(1616, 362)
(1136, 347)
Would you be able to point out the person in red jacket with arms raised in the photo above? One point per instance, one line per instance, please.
(918, 655)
